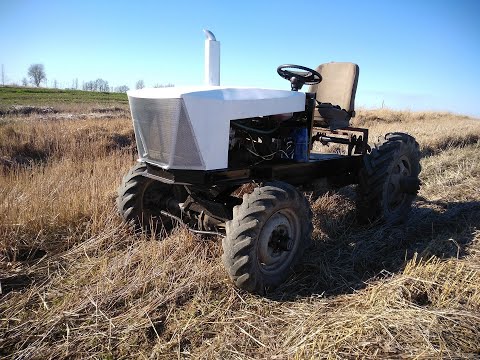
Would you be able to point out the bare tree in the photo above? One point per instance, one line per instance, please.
(55, 84)
(75, 84)
(101, 85)
(24, 81)
(96, 85)
(3, 76)
(122, 89)
(89, 86)
(163, 85)
(36, 73)
(140, 84)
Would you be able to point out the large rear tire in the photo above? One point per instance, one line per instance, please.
(267, 236)
(389, 180)
(140, 200)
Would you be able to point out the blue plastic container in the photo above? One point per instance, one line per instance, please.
(301, 145)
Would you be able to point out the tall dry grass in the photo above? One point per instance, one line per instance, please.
(77, 284)
(435, 132)
(27, 140)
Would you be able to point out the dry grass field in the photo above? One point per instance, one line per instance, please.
(76, 283)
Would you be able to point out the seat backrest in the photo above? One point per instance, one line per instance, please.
(338, 85)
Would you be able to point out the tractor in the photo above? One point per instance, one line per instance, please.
(200, 147)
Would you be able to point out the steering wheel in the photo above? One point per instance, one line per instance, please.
(299, 78)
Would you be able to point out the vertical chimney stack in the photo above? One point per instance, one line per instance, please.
(212, 59)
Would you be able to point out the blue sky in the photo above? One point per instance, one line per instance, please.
(417, 55)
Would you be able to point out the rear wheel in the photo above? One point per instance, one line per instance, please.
(389, 180)
(141, 199)
(267, 236)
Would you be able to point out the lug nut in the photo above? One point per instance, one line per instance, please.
(289, 245)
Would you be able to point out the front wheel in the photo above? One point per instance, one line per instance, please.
(267, 236)
(140, 201)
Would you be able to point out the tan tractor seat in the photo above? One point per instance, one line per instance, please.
(335, 94)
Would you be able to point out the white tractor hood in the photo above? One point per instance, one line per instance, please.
(188, 127)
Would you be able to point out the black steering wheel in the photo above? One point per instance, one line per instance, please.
(299, 78)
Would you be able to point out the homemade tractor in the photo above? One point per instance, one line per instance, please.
(199, 146)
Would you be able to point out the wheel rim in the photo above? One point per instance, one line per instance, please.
(279, 233)
(395, 196)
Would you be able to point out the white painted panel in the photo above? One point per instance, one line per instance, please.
(211, 108)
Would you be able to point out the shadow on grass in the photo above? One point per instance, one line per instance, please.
(342, 264)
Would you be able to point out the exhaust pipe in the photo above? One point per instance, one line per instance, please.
(212, 59)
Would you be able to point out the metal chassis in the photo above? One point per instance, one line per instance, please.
(295, 173)
(210, 191)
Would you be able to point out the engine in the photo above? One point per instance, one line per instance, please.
(267, 138)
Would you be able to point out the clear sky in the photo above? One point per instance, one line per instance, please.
(413, 54)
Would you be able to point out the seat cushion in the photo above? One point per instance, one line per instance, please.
(331, 116)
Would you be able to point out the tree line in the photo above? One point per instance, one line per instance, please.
(36, 75)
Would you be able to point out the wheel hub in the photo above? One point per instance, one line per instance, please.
(409, 184)
(280, 239)
(277, 241)
(400, 183)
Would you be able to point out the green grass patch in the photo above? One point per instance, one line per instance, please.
(50, 97)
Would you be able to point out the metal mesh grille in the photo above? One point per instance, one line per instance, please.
(156, 121)
(186, 154)
(157, 135)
